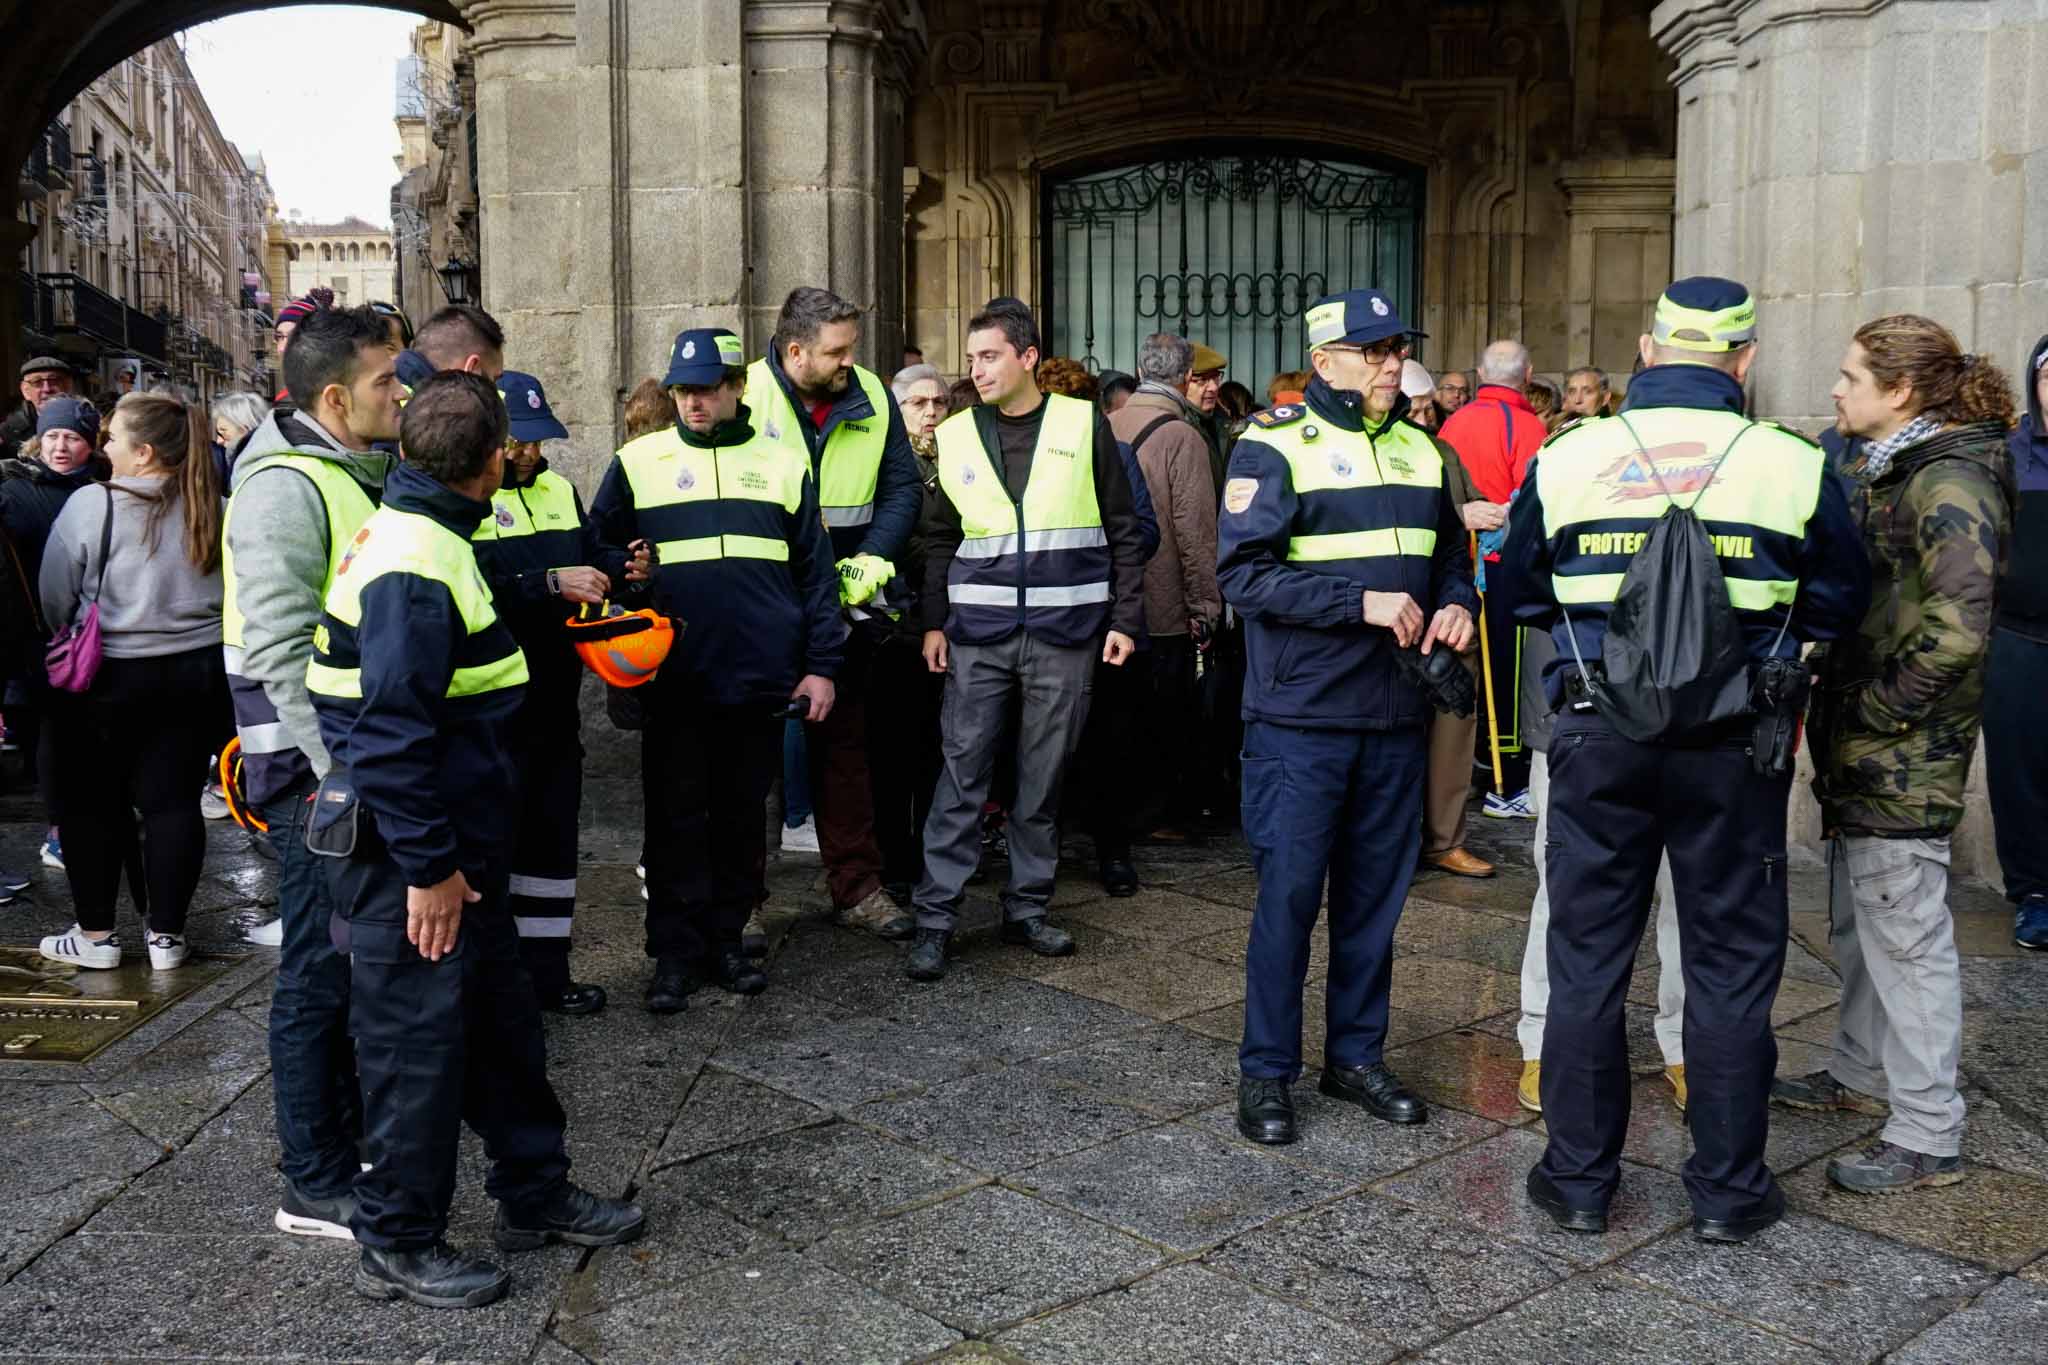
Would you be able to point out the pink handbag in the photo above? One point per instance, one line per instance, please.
(73, 657)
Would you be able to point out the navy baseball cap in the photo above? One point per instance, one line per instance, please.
(1704, 313)
(527, 408)
(1355, 318)
(700, 357)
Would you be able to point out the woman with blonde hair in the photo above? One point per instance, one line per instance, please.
(145, 550)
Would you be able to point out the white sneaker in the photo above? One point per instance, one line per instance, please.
(269, 934)
(640, 871)
(74, 947)
(166, 952)
(213, 805)
(1516, 807)
(801, 838)
(643, 893)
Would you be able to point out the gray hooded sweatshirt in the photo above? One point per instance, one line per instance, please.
(277, 535)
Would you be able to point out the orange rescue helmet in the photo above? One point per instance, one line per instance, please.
(231, 787)
(625, 648)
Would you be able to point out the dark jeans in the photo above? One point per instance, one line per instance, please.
(706, 772)
(1171, 723)
(443, 1044)
(312, 1061)
(1615, 808)
(1342, 807)
(2016, 760)
(903, 755)
(137, 742)
(1110, 764)
(840, 796)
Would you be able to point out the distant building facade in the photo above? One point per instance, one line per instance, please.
(352, 257)
(434, 203)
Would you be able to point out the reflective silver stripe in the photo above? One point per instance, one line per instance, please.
(848, 516)
(530, 927)
(982, 594)
(1066, 597)
(544, 888)
(1075, 538)
(235, 658)
(264, 739)
(987, 547)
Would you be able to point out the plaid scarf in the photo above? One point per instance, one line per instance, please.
(1878, 455)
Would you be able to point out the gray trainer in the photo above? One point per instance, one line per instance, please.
(1821, 1090)
(1889, 1168)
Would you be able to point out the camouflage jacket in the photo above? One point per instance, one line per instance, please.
(1894, 719)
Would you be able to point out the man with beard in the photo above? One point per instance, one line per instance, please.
(809, 395)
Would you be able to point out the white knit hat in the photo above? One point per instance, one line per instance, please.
(1415, 380)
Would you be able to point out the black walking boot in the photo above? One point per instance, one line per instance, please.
(1039, 935)
(436, 1276)
(669, 992)
(570, 1214)
(1265, 1110)
(575, 998)
(1375, 1089)
(927, 961)
(737, 973)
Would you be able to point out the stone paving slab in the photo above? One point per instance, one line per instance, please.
(2010, 1322)
(1837, 1289)
(1164, 1070)
(989, 1258)
(1994, 1217)
(1180, 1187)
(1188, 1315)
(1342, 1140)
(1609, 1317)
(1006, 1120)
(1388, 1269)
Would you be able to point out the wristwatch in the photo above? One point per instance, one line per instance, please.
(554, 582)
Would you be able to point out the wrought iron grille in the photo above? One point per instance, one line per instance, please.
(1230, 251)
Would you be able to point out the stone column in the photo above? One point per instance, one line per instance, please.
(1848, 161)
(1618, 217)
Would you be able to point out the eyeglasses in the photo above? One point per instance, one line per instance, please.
(1379, 352)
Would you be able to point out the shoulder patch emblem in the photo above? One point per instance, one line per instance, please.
(686, 479)
(1280, 416)
(1238, 494)
(1793, 432)
(503, 515)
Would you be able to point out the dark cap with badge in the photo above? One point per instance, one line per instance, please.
(526, 408)
(701, 357)
(1704, 313)
(1356, 317)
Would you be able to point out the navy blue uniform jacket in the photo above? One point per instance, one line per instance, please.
(1310, 658)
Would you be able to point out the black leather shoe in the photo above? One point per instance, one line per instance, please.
(1265, 1110)
(576, 998)
(1375, 1089)
(1546, 1196)
(1741, 1229)
(1119, 878)
(1039, 935)
(669, 992)
(738, 974)
(438, 1276)
(927, 960)
(573, 1215)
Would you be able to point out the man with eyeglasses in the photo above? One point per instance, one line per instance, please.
(42, 379)
(1453, 391)
(1340, 545)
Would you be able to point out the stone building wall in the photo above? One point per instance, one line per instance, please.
(1853, 160)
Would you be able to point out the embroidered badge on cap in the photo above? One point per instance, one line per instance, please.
(1379, 306)
(1238, 494)
(533, 398)
(689, 349)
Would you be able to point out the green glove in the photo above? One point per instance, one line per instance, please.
(861, 577)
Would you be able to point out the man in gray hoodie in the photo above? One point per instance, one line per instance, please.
(305, 482)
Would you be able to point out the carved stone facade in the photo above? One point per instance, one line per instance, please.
(1542, 132)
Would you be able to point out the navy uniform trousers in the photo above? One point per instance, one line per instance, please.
(546, 743)
(1341, 805)
(1616, 806)
(705, 771)
(440, 1044)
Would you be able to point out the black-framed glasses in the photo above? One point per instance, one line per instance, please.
(1379, 352)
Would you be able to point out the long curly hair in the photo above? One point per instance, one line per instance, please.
(647, 409)
(1905, 348)
(1059, 374)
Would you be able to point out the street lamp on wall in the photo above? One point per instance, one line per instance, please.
(458, 281)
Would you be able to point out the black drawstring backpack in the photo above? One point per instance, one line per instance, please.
(1674, 660)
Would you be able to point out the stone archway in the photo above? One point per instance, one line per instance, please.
(1519, 114)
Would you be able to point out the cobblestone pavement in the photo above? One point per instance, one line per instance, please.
(1032, 1161)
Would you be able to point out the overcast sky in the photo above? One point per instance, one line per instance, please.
(311, 89)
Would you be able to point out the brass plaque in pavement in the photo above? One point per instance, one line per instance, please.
(51, 1012)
